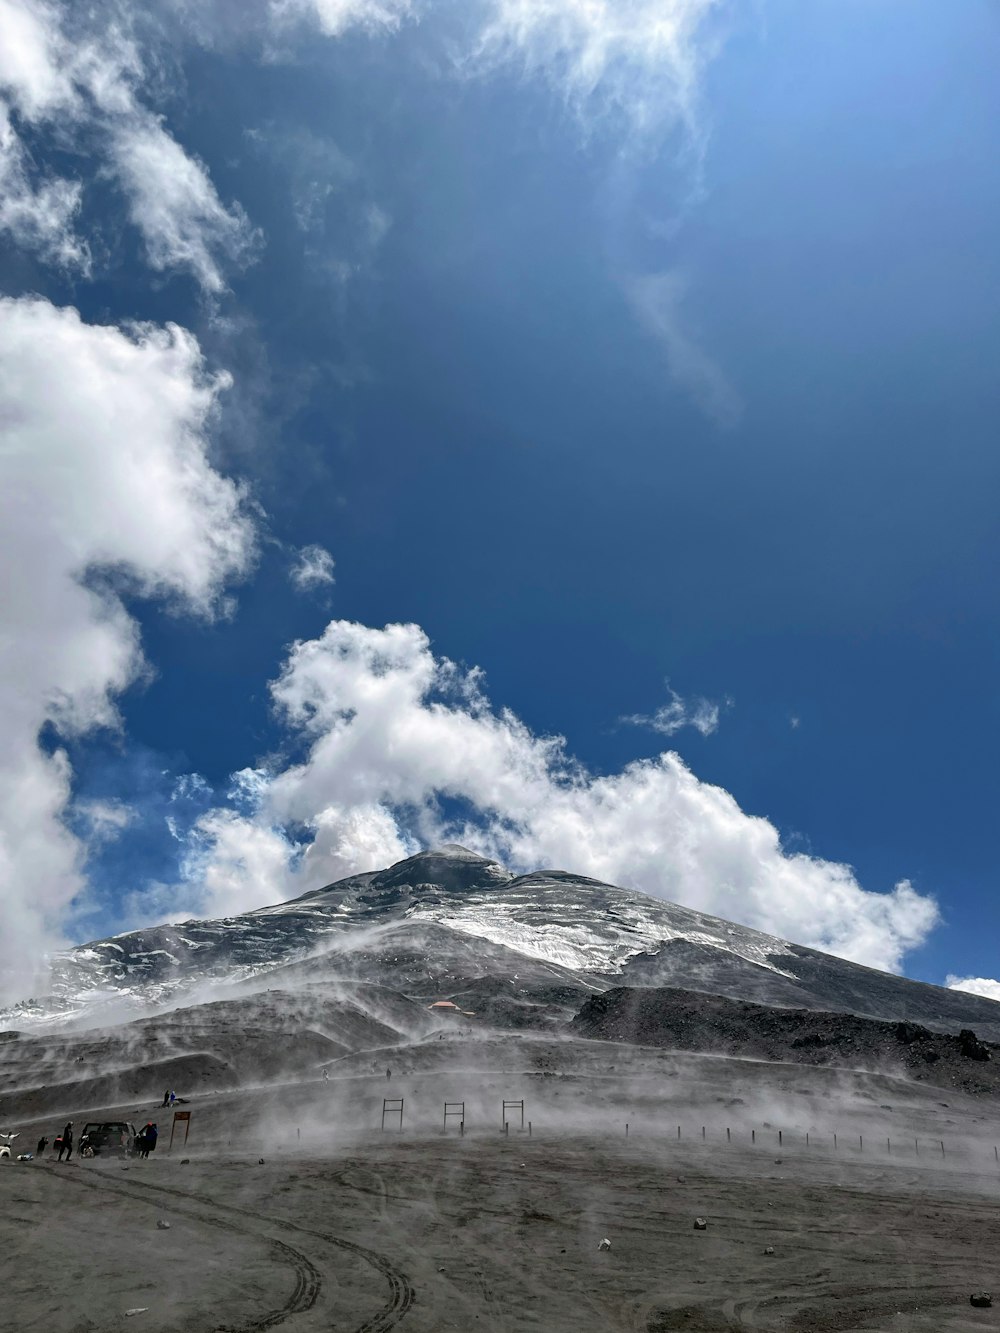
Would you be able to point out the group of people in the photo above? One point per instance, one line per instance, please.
(145, 1142)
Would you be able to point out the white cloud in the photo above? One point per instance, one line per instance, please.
(984, 986)
(671, 717)
(312, 568)
(38, 212)
(174, 204)
(80, 85)
(335, 17)
(104, 485)
(393, 732)
(637, 61)
(657, 300)
(105, 820)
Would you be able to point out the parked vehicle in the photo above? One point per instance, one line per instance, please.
(111, 1138)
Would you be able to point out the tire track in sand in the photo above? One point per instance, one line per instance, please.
(308, 1279)
(402, 1294)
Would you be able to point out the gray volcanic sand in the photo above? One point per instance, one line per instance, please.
(343, 1227)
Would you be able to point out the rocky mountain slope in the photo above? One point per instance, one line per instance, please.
(448, 924)
(680, 1020)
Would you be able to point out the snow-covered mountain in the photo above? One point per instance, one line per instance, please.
(443, 920)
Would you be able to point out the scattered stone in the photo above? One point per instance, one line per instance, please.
(260, 1161)
(777, 1161)
(768, 1249)
(605, 1244)
(982, 1300)
(138, 1309)
(700, 1224)
(185, 1161)
(161, 1225)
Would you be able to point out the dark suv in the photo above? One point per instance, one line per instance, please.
(112, 1138)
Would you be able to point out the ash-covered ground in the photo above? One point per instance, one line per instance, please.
(344, 1226)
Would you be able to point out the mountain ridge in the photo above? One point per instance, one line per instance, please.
(547, 928)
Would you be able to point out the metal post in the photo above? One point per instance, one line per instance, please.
(753, 1136)
(678, 1131)
(729, 1137)
(779, 1138)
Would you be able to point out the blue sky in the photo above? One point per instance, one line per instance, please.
(611, 345)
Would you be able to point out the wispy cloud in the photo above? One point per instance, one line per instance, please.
(312, 568)
(335, 17)
(637, 63)
(76, 76)
(658, 299)
(677, 713)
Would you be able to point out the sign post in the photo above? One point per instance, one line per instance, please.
(185, 1116)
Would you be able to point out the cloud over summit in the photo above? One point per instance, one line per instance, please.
(396, 737)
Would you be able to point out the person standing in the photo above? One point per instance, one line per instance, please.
(43, 1143)
(66, 1144)
(151, 1135)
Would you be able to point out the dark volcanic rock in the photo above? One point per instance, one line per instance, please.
(685, 1020)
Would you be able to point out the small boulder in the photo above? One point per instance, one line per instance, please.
(161, 1225)
(768, 1249)
(982, 1300)
(605, 1244)
(700, 1224)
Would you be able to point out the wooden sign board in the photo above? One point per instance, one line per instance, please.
(185, 1118)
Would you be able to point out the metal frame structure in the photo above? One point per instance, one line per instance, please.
(513, 1106)
(454, 1111)
(392, 1106)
